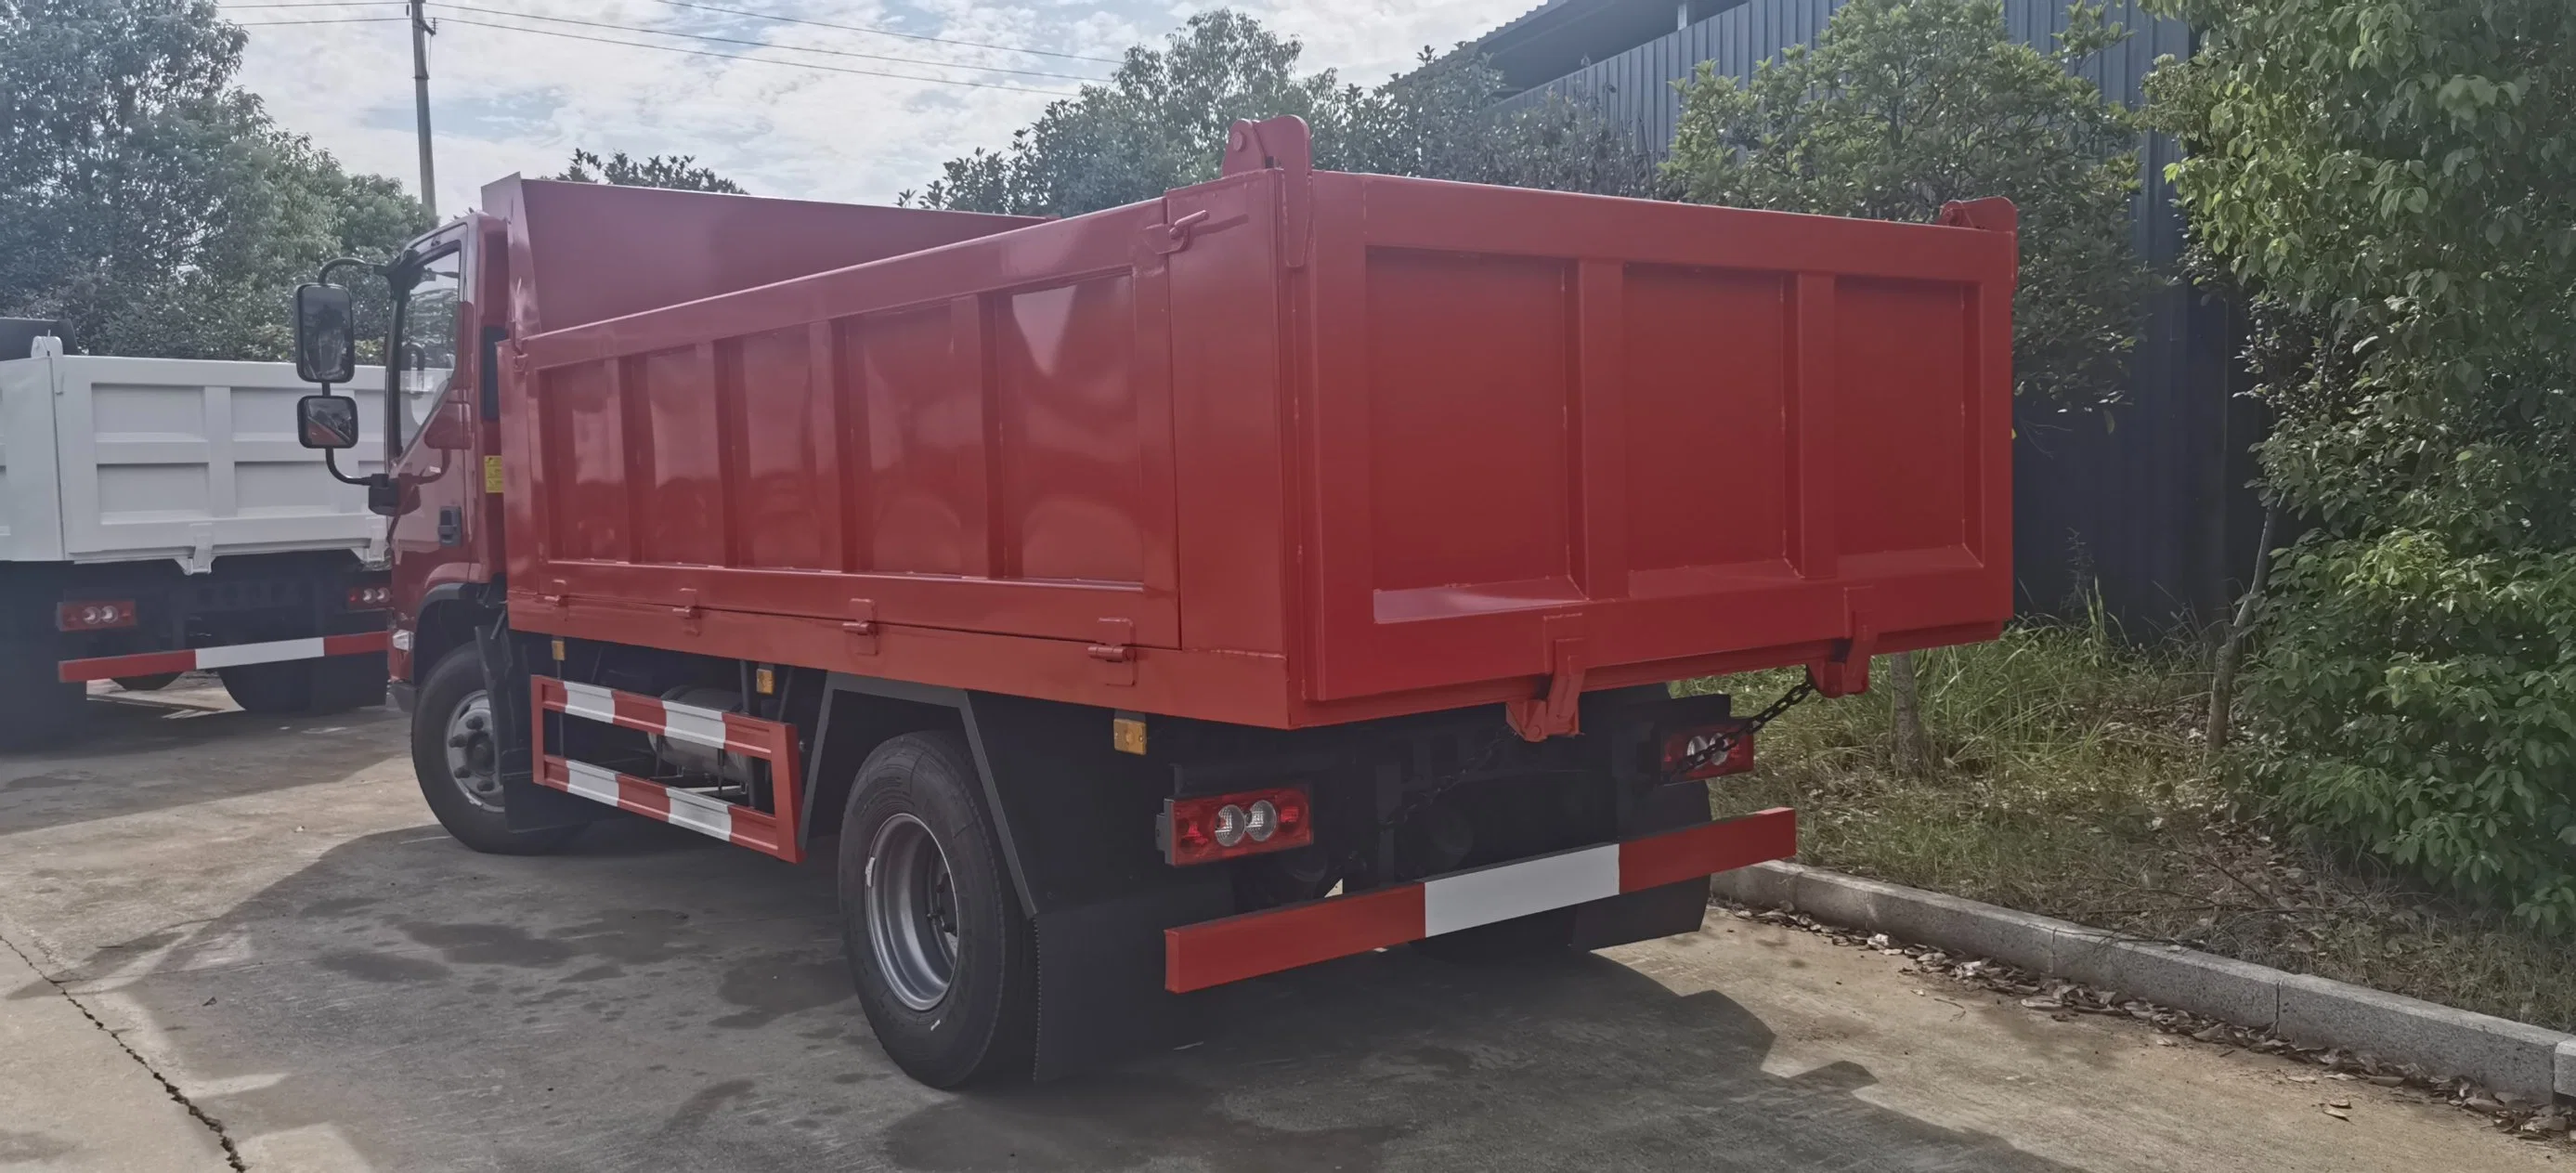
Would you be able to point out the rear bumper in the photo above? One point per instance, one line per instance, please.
(1215, 952)
(227, 656)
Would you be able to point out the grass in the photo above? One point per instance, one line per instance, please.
(2067, 777)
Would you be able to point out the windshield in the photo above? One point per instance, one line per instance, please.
(428, 356)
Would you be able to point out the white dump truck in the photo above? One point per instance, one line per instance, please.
(158, 516)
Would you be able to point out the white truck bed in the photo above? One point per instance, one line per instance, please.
(127, 459)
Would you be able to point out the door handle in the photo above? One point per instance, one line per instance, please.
(451, 525)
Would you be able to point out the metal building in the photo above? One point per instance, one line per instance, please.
(2150, 510)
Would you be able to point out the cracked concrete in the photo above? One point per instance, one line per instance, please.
(262, 912)
(74, 1097)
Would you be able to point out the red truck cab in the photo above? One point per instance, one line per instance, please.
(1286, 568)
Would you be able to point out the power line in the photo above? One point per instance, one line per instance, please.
(274, 24)
(319, 4)
(860, 28)
(981, 85)
(628, 28)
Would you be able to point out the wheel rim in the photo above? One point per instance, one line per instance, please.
(473, 759)
(912, 912)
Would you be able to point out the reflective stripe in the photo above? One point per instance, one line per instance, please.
(698, 812)
(589, 700)
(692, 724)
(1481, 897)
(591, 782)
(270, 653)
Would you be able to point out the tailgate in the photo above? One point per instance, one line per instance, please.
(193, 460)
(1563, 434)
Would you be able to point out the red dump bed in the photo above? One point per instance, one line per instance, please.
(1287, 448)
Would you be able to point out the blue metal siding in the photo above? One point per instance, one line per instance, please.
(2152, 511)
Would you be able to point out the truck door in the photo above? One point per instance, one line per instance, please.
(439, 526)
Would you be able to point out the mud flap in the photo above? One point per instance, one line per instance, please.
(1077, 821)
(525, 806)
(1655, 912)
(1100, 978)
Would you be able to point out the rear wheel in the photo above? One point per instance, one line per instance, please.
(36, 710)
(283, 687)
(456, 751)
(943, 957)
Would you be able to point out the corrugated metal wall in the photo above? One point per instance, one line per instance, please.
(2151, 510)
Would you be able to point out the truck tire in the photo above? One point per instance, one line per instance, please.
(943, 957)
(332, 684)
(153, 683)
(36, 710)
(341, 683)
(283, 687)
(454, 753)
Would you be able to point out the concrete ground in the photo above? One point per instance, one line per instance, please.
(261, 913)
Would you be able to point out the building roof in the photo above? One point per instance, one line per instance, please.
(1560, 36)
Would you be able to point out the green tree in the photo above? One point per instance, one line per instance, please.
(677, 172)
(1905, 105)
(1160, 122)
(2393, 184)
(151, 201)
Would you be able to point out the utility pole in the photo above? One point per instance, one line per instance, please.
(420, 34)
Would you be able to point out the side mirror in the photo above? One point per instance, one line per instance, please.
(326, 338)
(328, 422)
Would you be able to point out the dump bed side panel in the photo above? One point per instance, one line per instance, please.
(975, 438)
(1558, 433)
(166, 458)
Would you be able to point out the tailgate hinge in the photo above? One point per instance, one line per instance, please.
(692, 616)
(1560, 712)
(862, 627)
(1116, 651)
(1847, 673)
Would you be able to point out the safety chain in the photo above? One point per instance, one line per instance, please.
(1725, 743)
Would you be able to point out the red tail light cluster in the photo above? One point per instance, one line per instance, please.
(371, 598)
(1223, 826)
(1680, 744)
(95, 615)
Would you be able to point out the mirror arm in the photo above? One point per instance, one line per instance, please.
(331, 461)
(328, 267)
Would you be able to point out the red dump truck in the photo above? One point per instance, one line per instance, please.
(1286, 568)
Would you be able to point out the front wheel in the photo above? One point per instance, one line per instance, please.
(456, 751)
(944, 959)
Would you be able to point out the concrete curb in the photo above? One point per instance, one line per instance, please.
(2507, 1056)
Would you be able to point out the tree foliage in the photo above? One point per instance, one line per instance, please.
(1160, 122)
(148, 199)
(2393, 183)
(677, 172)
(1902, 106)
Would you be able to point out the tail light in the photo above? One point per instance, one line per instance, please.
(1223, 826)
(1681, 744)
(95, 615)
(375, 597)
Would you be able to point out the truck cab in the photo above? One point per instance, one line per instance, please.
(444, 453)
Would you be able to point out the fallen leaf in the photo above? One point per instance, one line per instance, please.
(2338, 1103)
(2339, 1113)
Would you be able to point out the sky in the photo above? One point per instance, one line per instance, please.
(514, 101)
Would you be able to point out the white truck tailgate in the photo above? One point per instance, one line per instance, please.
(120, 459)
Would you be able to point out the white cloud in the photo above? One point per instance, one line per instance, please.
(505, 102)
